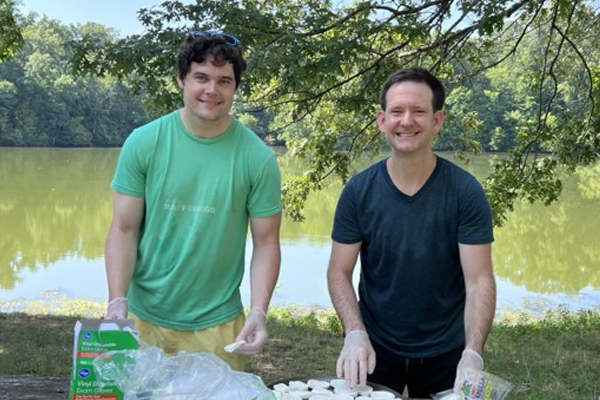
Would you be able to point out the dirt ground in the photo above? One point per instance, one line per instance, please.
(25, 387)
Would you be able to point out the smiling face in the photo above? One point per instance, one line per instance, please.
(208, 93)
(409, 122)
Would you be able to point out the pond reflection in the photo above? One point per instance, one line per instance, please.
(553, 249)
(56, 206)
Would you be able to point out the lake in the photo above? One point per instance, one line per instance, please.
(56, 207)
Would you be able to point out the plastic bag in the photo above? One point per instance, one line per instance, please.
(481, 385)
(445, 395)
(149, 374)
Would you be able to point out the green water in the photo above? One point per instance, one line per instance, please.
(56, 206)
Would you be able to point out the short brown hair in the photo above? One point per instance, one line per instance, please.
(197, 48)
(415, 74)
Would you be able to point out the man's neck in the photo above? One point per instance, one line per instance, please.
(203, 128)
(409, 174)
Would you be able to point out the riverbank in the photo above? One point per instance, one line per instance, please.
(557, 357)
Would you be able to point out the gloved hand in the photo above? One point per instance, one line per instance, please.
(254, 333)
(117, 308)
(357, 358)
(470, 360)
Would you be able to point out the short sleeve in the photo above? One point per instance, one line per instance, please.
(265, 196)
(132, 166)
(475, 223)
(345, 224)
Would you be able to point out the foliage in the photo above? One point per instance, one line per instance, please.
(11, 39)
(43, 104)
(525, 75)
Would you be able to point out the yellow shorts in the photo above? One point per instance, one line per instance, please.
(211, 340)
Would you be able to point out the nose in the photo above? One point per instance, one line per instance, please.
(406, 118)
(210, 86)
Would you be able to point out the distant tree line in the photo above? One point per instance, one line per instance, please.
(523, 77)
(44, 104)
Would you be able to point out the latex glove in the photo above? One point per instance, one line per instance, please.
(117, 308)
(357, 358)
(470, 360)
(254, 333)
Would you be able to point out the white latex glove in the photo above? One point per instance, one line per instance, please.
(117, 308)
(470, 360)
(254, 333)
(357, 358)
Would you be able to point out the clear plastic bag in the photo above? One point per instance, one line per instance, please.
(445, 395)
(481, 385)
(149, 374)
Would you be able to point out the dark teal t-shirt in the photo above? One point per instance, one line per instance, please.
(411, 289)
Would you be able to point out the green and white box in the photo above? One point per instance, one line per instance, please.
(92, 338)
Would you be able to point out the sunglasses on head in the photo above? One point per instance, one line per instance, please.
(230, 40)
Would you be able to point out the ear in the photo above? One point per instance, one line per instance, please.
(381, 120)
(180, 82)
(438, 121)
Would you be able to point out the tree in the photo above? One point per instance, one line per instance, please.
(321, 66)
(11, 39)
(43, 104)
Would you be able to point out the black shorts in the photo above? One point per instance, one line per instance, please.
(422, 376)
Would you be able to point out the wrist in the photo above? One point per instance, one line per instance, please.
(116, 300)
(258, 312)
(474, 353)
(357, 332)
(257, 309)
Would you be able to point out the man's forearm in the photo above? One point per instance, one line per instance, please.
(479, 312)
(264, 272)
(120, 260)
(345, 301)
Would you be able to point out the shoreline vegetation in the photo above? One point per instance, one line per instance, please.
(556, 356)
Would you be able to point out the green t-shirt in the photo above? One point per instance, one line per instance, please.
(199, 195)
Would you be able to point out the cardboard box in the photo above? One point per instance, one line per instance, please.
(93, 338)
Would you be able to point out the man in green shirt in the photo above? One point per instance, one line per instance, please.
(187, 185)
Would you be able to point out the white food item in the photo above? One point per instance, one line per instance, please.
(382, 395)
(346, 390)
(338, 383)
(342, 396)
(315, 384)
(322, 391)
(305, 394)
(298, 385)
(364, 390)
(231, 348)
(291, 396)
(336, 389)
(281, 387)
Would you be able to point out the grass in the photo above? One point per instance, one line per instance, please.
(553, 357)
